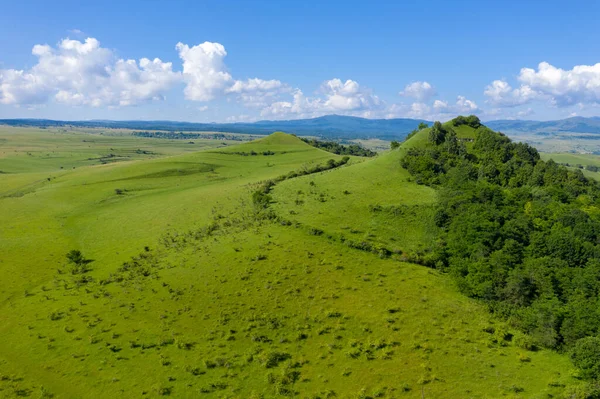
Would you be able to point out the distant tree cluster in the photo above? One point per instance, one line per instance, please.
(470, 120)
(520, 233)
(592, 168)
(251, 153)
(186, 136)
(340, 149)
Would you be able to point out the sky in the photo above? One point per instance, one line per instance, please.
(230, 61)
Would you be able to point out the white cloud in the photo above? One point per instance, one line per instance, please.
(253, 85)
(501, 94)
(565, 87)
(298, 107)
(440, 105)
(421, 91)
(524, 113)
(462, 106)
(240, 118)
(204, 70)
(84, 73)
(560, 87)
(258, 93)
(419, 110)
(348, 96)
(336, 96)
(206, 78)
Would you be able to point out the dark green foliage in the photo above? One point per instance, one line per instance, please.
(586, 356)
(470, 120)
(337, 148)
(515, 231)
(272, 359)
(437, 134)
(592, 168)
(185, 136)
(77, 262)
(260, 199)
(394, 144)
(245, 154)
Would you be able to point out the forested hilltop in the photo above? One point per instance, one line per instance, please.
(517, 232)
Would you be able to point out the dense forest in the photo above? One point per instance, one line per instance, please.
(519, 233)
(340, 149)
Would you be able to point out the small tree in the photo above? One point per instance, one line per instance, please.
(394, 144)
(586, 356)
(78, 263)
(437, 135)
(422, 126)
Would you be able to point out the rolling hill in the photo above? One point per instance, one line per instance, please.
(218, 274)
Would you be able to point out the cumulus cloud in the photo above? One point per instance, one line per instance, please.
(258, 93)
(335, 96)
(84, 73)
(206, 78)
(501, 94)
(562, 88)
(348, 96)
(462, 106)
(204, 70)
(565, 87)
(421, 91)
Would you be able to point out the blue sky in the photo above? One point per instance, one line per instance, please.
(249, 60)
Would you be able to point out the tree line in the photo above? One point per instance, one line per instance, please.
(340, 149)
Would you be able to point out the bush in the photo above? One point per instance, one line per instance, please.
(272, 359)
(586, 356)
(78, 263)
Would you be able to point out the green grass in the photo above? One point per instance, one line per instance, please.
(373, 201)
(228, 303)
(27, 150)
(574, 160)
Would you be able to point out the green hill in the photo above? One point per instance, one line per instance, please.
(191, 285)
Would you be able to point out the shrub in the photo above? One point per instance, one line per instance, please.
(272, 359)
(586, 356)
(78, 263)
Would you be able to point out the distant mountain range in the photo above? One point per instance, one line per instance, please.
(330, 126)
(576, 124)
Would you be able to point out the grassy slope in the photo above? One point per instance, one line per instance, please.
(341, 202)
(350, 321)
(576, 159)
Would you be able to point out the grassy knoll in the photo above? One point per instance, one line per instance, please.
(194, 291)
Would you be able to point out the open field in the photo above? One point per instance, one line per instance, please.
(576, 160)
(194, 291)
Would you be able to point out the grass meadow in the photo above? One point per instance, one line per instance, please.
(191, 291)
